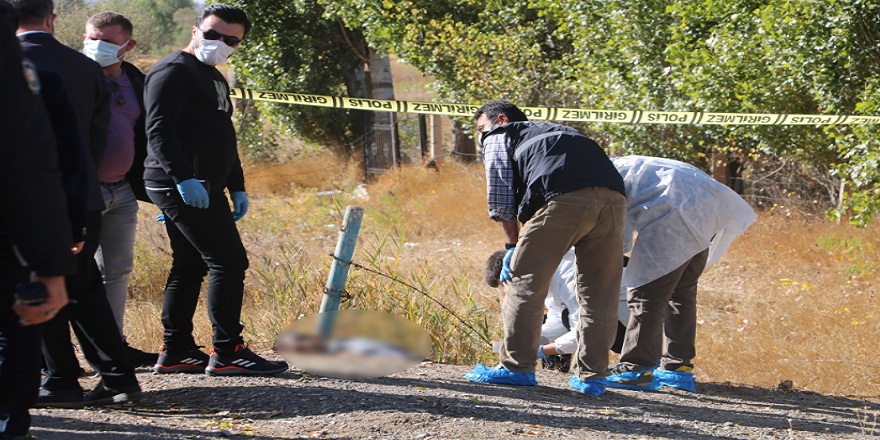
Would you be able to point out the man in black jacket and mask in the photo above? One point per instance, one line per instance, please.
(192, 157)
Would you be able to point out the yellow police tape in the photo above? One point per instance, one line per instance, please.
(557, 114)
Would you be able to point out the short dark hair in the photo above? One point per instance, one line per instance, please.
(494, 108)
(227, 13)
(32, 12)
(493, 268)
(110, 18)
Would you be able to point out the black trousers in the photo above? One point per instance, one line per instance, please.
(93, 323)
(203, 242)
(19, 353)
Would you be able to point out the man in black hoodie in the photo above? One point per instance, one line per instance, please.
(192, 157)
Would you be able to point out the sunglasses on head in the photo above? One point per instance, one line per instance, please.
(211, 34)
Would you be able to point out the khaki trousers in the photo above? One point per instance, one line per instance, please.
(591, 220)
(663, 319)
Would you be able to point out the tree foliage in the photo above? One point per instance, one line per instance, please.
(154, 27)
(790, 56)
(476, 49)
(294, 48)
(750, 56)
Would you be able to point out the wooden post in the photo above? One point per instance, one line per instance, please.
(423, 135)
(436, 135)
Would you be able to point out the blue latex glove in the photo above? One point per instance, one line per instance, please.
(161, 218)
(505, 267)
(239, 205)
(193, 193)
(541, 354)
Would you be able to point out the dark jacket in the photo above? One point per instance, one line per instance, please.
(72, 157)
(135, 175)
(189, 125)
(559, 161)
(33, 212)
(85, 85)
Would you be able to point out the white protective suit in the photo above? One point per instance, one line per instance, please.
(682, 209)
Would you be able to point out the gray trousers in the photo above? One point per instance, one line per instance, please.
(115, 255)
(591, 220)
(663, 319)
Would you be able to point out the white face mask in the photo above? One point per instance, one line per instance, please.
(213, 52)
(102, 52)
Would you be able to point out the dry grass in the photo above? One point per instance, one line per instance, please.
(320, 172)
(792, 300)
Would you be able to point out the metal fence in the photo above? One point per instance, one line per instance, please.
(394, 139)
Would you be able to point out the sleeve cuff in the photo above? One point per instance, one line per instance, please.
(501, 216)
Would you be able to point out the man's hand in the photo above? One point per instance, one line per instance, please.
(541, 354)
(55, 300)
(193, 193)
(505, 266)
(239, 204)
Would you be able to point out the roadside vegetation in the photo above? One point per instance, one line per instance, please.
(795, 299)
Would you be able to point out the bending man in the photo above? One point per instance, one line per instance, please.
(564, 189)
(684, 221)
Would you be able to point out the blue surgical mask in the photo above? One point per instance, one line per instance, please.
(102, 52)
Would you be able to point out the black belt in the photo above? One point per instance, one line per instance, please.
(111, 184)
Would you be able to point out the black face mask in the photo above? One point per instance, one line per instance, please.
(483, 134)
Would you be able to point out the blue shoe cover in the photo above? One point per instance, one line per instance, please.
(500, 375)
(675, 379)
(633, 380)
(593, 387)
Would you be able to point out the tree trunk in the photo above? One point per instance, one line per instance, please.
(463, 144)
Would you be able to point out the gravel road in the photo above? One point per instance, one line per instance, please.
(433, 401)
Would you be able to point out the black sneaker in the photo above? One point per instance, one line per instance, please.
(140, 358)
(70, 399)
(558, 362)
(242, 362)
(102, 395)
(626, 377)
(190, 361)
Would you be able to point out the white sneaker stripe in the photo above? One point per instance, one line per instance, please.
(244, 363)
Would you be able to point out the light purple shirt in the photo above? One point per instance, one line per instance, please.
(124, 112)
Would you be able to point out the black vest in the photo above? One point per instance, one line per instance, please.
(550, 160)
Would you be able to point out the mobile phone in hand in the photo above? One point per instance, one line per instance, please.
(31, 293)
